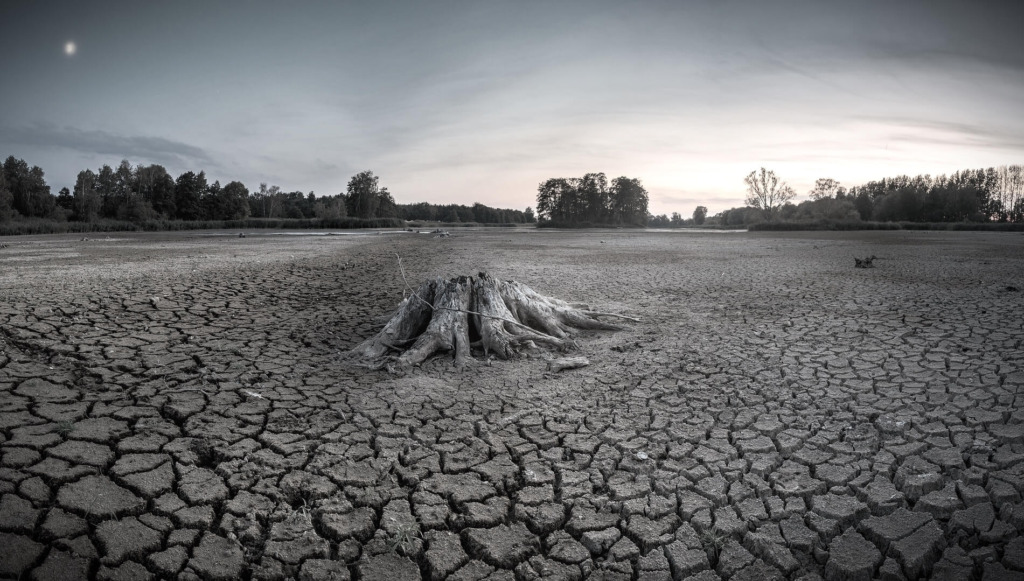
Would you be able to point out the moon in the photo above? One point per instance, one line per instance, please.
(70, 48)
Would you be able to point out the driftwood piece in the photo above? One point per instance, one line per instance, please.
(866, 263)
(563, 363)
(503, 318)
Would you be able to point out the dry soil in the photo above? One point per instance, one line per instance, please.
(178, 406)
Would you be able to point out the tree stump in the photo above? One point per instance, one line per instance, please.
(465, 313)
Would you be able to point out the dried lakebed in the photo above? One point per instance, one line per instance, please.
(176, 406)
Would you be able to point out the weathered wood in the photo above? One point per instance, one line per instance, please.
(448, 329)
(563, 363)
(408, 322)
(501, 332)
(506, 318)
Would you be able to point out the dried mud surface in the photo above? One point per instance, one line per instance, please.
(175, 406)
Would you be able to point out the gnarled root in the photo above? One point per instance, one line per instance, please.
(501, 331)
(506, 317)
(448, 329)
(408, 322)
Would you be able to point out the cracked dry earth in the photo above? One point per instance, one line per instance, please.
(175, 406)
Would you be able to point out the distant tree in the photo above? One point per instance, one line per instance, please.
(330, 207)
(189, 189)
(136, 209)
(292, 205)
(765, 192)
(386, 207)
(128, 201)
(904, 204)
(700, 214)
(528, 215)
(233, 202)
(738, 217)
(87, 203)
(677, 219)
(106, 188)
(787, 211)
(628, 202)
(556, 200)
(659, 221)
(265, 202)
(1008, 193)
(418, 211)
(6, 199)
(16, 177)
(589, 199)
(210, 201)
(30, 195)
(465, 213)
(863, 202)
(65, 200)
(307, 207)
(156, 186)
(592, 191)
(124, 190)
(824, 188)
(835, 209)
(486, 214)
(449, 214)
(363, 195)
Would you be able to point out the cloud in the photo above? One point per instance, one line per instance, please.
(92, 141)
(935, 131)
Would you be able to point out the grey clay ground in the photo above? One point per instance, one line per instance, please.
(174, 406)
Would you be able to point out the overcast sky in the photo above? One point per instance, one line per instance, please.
(458, 102)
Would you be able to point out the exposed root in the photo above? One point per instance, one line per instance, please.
(503, 318)
(408, 322)
(448, 329)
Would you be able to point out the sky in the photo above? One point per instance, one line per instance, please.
(481, 101)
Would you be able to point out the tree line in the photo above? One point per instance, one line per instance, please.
(994, 194)
(144, 193)
(590, 200)
(676, 220)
